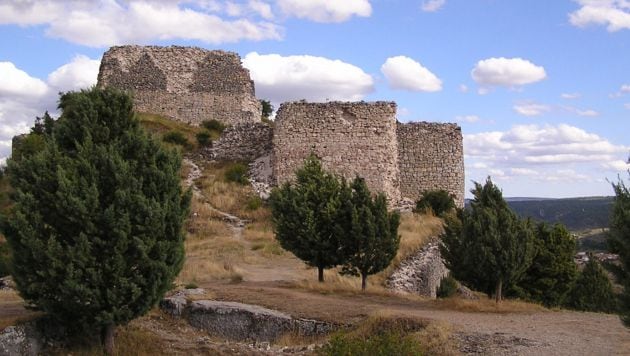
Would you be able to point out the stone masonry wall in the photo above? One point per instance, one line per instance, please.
(431, 156)
(350, 138)
(244, 142)
(187, 84)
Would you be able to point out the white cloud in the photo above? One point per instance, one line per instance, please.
(261, 8)
(614, 14)
(531, 109)
(508, 72)
(467, 118)
(570, 96)
(279, 78)
(617, 165)
(23, 97)
(627, 106)
(406, 74)
(432, 5)
(325, 10)
(113, 22)
(625, 88)
(81, 72)
(463, 88)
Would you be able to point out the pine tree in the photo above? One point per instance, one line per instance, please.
(592, 290)
(372, 240)
(305, 213)
(96, 231)
(619, 241)
(552, 273)
(491, 247)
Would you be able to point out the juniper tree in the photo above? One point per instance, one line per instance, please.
(619, 241)
(490, 247)
(96, 231)
(305, 216)
(552, 272)
(593, 290)
(371, 238)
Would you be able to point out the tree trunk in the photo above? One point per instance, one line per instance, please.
(107, 338)
(497, 293)
(320, 274)
(363, 281)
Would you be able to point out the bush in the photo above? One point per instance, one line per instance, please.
(253, 203)
(388, 343)
(440, 201)
(447, 288)
(213, 125)
(191, 285)
(237, 173)
(593, 290)
(204, 138)
(177, 138)
(5, 259)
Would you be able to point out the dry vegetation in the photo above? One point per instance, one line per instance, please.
(158, 126)
(487, 305)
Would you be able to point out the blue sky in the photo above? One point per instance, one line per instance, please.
(541, 88)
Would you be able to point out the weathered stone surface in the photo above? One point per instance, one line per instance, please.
(243, 142)
(431, 157)
(420, 273)
(20, 340)
(350, 138)
(187, 84)
(174, 306)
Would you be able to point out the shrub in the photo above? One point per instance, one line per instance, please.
(237, 173)
(253, 203)
(388, 343)
(440, 201)
(593, 290)
(191, 285)
(204, 138)
(447, 288)
(5, 259)
(213, 125)
(177, 138)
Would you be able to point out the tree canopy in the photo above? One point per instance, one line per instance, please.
(619, 241)
(96, 230)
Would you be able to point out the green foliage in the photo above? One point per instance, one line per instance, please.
(575, 213)
(384, 344)
(267, 108)
(237, 173)
(191, 285)
(487, 247)
(5, 259)
(619, 241)
(448, 287)
(592, 290)
(177, 138)
(204, 138)
(371, 232)
(552, 273)
(43, 125)
(305, 216)
(96, 229)
(213, 125)
(254, 203)
(439, 201)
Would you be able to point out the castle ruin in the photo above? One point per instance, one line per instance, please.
(187, 84)
(191, 85)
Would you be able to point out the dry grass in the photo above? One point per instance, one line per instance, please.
(158, 126)
(436, 339)
(486, 305)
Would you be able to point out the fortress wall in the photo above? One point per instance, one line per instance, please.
(244, 142)
(187, 84)
(431, 157)
(350, 138)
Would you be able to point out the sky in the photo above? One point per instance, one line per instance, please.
(540, 88)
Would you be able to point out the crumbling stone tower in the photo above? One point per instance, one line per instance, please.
(187, 84)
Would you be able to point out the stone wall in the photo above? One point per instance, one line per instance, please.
(431, 157)
(244, 142)
(350, 138)
(187, 84)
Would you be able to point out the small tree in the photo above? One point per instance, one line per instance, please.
(440, 201)
(490, 246)
(371, 239)
(592, 290)
(304, 216)
(267, 108)
(96, 230)
(552, 273)
(619, 241)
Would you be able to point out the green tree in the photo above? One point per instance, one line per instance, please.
(304, 216)
(96, 230)
(490, 247)
(439, 201)
(619, 241)
(371, 237)
(592, 290)
(552, 273)
(267, 108)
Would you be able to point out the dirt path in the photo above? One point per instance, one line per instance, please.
(536, 333)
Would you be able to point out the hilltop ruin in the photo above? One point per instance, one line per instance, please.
(191, 85)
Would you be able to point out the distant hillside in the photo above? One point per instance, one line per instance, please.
(576, 213)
